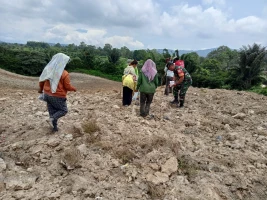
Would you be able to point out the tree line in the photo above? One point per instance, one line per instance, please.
(243, 69)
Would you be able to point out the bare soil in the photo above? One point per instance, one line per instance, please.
(215, 148)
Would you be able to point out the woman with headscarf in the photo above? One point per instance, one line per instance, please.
(129, 82)
(147, 84)
(54, 82)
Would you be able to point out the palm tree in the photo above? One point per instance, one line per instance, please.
(250, 66)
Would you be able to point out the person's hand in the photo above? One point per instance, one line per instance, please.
(74, 90)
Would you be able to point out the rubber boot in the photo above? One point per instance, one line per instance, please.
(175, 101)
(181, 104)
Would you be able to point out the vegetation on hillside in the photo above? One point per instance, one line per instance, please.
(242, 69)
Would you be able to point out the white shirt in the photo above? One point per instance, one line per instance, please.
(168, 72)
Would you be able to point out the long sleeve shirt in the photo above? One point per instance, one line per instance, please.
(63, 87)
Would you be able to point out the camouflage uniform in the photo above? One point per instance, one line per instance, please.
(183, 87)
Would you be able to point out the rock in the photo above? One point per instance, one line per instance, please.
(227, 127)
(45, 114)
(39, 113)
(170, 166)
(23, 181)
(69, 137)
(83, 149)
(251, 112)
(154, 166)
(240, 116)
(232, 136)
(79, 183)
(115, 163)
(157, 178)
(2, 165)
(37, 149)
(53, 142)
(71, 158)
(116, 106)
(78, 128)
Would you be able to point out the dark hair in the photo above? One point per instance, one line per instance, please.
(134, 62)
(169, 64)
(175, 59)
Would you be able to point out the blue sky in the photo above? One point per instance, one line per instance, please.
(138, 24)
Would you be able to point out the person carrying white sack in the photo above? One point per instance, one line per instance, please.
(54, 82)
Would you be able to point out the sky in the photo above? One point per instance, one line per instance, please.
(136, 24)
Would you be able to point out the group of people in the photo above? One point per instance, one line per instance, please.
(147, 83)
(54, 83)
(176, 72)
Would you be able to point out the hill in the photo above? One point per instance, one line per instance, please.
(214, 148)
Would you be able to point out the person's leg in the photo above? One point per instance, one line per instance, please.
(142, 104)
(183, 91)
(166, 92)
(128, 96)
(124, 96)
(170, 79)
(149, 99)
(175, 94)
(61, 109)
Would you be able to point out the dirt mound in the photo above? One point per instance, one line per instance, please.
(81, 81)
(213, 148)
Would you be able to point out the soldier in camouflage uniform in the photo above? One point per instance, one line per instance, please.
(183, 81)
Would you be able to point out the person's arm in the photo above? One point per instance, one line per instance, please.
(41, 87)
(132, 71)
(181, 78)
(156, 80)
(67, 85)
(139, 81)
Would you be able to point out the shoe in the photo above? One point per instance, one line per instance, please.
(50, 122)
(54, 122)
(55, 129)
(174, 102)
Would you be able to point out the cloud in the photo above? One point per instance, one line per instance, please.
(135, 24)
(194, 23)
(210, 2)
(119, 41)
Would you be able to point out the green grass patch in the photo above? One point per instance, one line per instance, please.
(259, 90)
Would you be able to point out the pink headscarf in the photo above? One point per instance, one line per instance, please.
(149, 69)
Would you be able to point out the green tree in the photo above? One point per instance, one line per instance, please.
(114, 56)
(107, 49)
(125, 52)
(166, 53)
(140, 54)
(251, 62)
(191, 61)
(226, 57)
(177, 53)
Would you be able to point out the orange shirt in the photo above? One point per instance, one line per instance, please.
(63, 86)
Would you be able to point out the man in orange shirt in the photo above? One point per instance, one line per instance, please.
(54, 82)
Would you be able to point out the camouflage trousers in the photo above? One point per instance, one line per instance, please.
(183, 89)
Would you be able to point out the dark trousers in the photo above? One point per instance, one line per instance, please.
(168, 89)
(57, 107)
(145, 101)
(127, 95)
